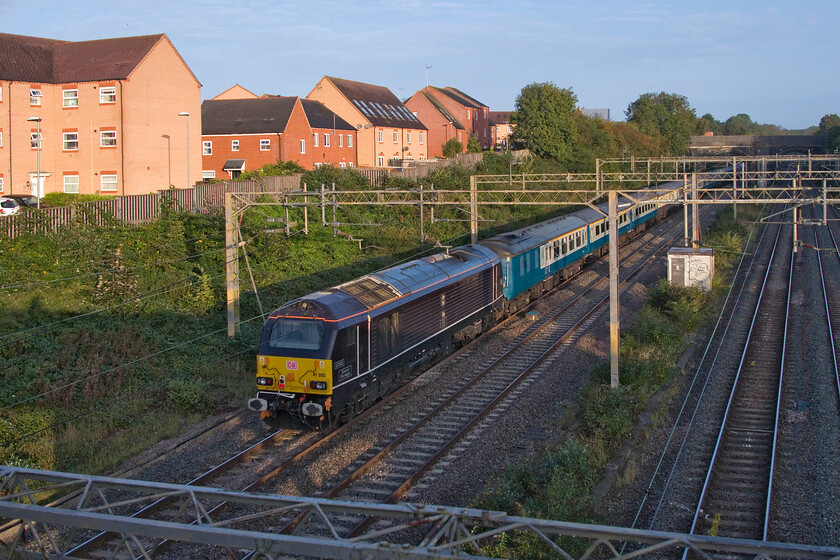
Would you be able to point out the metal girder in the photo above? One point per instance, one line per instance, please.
(451, 532)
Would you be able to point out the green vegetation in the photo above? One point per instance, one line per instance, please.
(451, 148)
(667, 115)
(559, 484)
(830, 127)
(544, 119)
(272, 170)
(66, 199)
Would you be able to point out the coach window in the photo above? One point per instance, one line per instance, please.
(389, 334)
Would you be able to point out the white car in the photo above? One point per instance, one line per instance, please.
(8, 206)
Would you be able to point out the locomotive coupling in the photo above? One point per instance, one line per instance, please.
(258, 405)
(312, 409)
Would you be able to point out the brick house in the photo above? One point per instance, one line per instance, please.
(442, 124)
(245, 134)
(389, 135)
(108, 114)
(501, 129)
(471, 113)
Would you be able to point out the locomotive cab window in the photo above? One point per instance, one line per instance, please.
(299, 334)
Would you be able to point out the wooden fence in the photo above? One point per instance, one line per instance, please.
(203, 198)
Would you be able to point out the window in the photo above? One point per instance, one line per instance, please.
(315, 139)
(108, 182)
(396, 137)
(349, 164)
(1, 138)
(71, 184)
(234, 145)
(388, 331)
(70, 98)
(381, 161)
(380, 137)
(326, 140)
(1, 93)
(208, 174)
(34, 139)
(108, 94)
(421, 137)
(34, 96)
(340, 141)
(207, 148)
(302, 146)
(341, 163)
(349, 140)
(468, 114)
(299, 334)
(265, 145)
(107, 138)
(2, 185)
(71, 142)
(459, 137)
(408, 138)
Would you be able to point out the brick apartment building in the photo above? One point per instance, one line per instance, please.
(240, 134)
(471, 115)
(113, 116)
(389, 135)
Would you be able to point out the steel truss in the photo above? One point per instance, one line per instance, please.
(405, 531)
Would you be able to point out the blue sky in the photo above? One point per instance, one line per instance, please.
(776, 61)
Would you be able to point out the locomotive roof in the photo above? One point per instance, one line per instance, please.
(523, 239)
(381, 288)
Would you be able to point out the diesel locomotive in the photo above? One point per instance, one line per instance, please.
(327, 356)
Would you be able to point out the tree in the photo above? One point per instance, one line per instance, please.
(665, 114)
(739, 125)
(707, 123)
(473, 145)
(451, 148)
(830, 126)
(544, 119)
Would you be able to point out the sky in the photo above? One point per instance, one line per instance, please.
(775, 61)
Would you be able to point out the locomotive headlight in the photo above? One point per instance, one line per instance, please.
(264, 381)
(319, 385)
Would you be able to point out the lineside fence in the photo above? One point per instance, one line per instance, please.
(203, 198)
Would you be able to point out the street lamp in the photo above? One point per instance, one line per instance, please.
(37, 158)
(186, 114)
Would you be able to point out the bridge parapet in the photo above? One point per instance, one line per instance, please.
(756, 145)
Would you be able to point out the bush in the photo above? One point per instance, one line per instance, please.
(189, 394)
(451, 148)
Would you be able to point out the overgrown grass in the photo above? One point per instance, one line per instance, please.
(115, 337)
(559, 485)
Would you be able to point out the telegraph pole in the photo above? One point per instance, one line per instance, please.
(614, 304)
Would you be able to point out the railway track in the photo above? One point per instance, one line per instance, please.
(389, 470)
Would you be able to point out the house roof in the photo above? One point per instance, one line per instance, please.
(246, 116)
(500, 117)
(377, 104)
(456, 97)
(42, 60)
(442, 110)
(321, 117)
(472, 100)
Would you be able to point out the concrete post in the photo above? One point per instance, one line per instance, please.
(614, 302)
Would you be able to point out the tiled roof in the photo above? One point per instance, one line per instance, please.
(472, 100)
(500, 117)
(377, 103)
(36, 59)
(246, 116)
(321, 117)
(456, 97)
(442, 110)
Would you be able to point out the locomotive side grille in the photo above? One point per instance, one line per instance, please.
(370, 291)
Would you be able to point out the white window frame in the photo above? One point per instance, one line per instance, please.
(341, 164)
(340, 140)
(70, 141)
(208, 174)
(349, 164)
(234, 147)
(107, 138)
(34, 97)
(421, 137)
(2, 185)
(349, 140)
(396, 137)
(35, 139)
(107, 95)
(109, 180)
(265, 144)
(1, 93)
(69, 98)
(381, 136)
(381, 161)
(302, 146)
(315, 139)
(207, 147)
(408, 137)
(1, 138)
(326, 140)
(66, 183)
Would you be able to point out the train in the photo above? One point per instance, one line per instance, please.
(326, 357)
